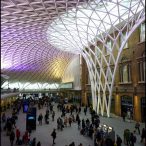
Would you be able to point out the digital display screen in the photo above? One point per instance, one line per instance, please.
(31, 118)
(25, 108)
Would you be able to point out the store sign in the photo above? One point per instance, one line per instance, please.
(66, 85)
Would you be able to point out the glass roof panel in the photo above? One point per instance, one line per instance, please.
(86, 19)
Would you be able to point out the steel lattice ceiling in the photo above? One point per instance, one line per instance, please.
(26, 54)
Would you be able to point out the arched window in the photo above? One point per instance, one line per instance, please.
(141, 67)
(125, 70)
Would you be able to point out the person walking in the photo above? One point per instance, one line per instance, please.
(40, 118)
(70, 121)
(53, 134)
(127, 137)
(72, 144)
(33, 142)
(17, 135)
(39, 143)
(132, 139)
(79, 123)
(85, 111)
(53, 115)
(124, 115)
(137, 127)
(12, 137)
(143, 135)
(118, 141)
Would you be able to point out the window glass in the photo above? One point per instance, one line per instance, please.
(123, 37)
(125, 73)
(142, 32)
(142, 69)
(108, 47)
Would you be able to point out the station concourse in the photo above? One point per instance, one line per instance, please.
(73, 71)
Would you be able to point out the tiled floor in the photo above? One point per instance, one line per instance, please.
(69, 134)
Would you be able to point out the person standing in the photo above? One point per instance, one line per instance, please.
(129, 115)
(12, 137)
(53, 134)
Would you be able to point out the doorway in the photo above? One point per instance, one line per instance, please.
(126, 104)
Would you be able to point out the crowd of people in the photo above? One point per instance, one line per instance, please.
(69, 114)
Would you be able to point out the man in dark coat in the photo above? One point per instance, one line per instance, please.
(12, 137)
(54, 135)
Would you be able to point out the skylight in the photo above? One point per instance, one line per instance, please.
(75, 29)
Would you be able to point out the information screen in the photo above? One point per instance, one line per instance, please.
(25, 108)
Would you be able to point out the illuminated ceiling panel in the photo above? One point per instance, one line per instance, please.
(26, 54)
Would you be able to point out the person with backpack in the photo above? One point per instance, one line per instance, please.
(53, 134)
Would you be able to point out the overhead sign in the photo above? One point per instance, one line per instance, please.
(66, 85)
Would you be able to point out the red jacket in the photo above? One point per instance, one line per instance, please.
(17, 133)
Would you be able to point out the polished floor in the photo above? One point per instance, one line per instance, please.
(69, 134)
